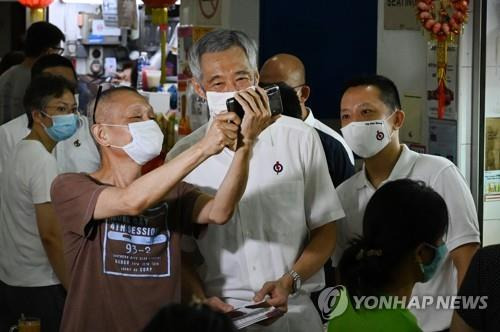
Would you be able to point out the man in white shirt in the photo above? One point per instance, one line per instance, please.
(281, 234)
(32, 271)
(371, 116)
(76, 154)
(41, 38)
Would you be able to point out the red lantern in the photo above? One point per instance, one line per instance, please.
(37, 8)
(158, 3)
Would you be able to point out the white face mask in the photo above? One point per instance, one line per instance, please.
(367, 138)
(217, 101)
(147, 141)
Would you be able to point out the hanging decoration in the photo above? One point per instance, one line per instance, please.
(37, 8)
(159, 12)
(444, 20)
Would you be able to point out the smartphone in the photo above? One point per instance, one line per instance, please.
(273, 92)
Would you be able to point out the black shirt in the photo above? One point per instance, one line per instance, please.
(339, 164)
(483, 279)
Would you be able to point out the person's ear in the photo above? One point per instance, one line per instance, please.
(304, 93)
(399, 119)
(256, 79)
(37, 117)
(198, 88)
(100, 135)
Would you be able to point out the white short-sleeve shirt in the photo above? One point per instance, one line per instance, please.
(444, 177)
(26, 181)
(289, 193)
(76, 154)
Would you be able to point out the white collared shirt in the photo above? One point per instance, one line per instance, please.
(444, 177)
(311, 120)
(289, 193)
(76, 154)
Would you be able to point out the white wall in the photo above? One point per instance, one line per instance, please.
(236, 14)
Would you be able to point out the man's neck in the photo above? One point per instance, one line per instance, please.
(305, 112)
(37, 133)
(379, 167)
(28, 62)
(118, 176)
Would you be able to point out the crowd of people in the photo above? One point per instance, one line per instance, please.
(258, 208)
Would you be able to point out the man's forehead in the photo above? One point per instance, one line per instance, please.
(232, 60)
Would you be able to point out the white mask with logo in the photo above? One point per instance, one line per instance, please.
(367, 138)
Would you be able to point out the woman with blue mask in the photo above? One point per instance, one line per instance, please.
(32, 270)
(402, 244)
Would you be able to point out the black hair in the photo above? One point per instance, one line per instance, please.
(41, 90)
(185, 318)
(401, 215)
(289, 99)
(11, 59)
(50, 61)
(41, 36)
(388, 91)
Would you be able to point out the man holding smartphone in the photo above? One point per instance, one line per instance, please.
(283, 230)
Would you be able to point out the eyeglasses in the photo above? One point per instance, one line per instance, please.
(58, 50)
(63, 109)
(99, 92)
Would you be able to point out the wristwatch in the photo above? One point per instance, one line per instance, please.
(297, 281)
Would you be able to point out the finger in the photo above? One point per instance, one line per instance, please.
(230, 134)
(277, 301)
(264, 98)
(266, 289)
(247, 102)
(219, 305)
(228, 126)
(229, 116)
(261, 110)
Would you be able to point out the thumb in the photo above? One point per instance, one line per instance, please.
(221, 305)
(266, 289)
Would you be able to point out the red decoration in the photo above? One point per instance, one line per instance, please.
(158, 3)
(36, 4)
(452, 16)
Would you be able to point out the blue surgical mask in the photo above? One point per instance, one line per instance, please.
(429, 270)
(63, 126)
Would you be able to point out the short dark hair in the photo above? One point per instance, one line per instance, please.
(400, 215)
(41, 89)
(289, 99)
(388, 91)
(187, 318)
(50, 61)
(11, 59)
(41, 36)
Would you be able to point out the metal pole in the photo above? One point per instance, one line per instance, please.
(478, 106)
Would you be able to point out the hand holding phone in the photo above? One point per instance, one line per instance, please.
(275, 105)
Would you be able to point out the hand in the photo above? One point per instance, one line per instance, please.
(218, 305)
(255, 104)
(223, 132)
(278, 290)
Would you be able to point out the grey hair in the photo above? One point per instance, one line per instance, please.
(219, 41)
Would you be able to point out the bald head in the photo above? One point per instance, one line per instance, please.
(113, 103)
(283, 68)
